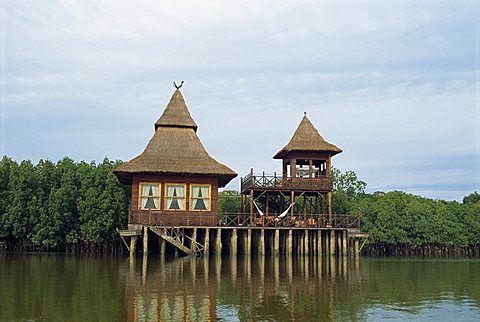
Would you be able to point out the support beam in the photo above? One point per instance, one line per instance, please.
(357, 246)
(218, 242)
(161, 246)
(330, 217)
(207, 242)
(261, 243)
(276, 242)
(233, 242)
(344, 243)
(289, 243)
(319, 244)
(307, 244)
(145, 240)
(332, 242)
(193, 242)
(248, 242)
(133, 245)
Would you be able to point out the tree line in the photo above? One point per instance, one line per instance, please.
(62, 206)
(77, 206)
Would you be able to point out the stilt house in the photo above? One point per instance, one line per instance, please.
(174, 181)
(302, 195)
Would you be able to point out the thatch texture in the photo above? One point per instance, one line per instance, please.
(175, 149)
(176, 114)
(307, 139)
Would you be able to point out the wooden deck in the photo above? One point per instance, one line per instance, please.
(273, 182)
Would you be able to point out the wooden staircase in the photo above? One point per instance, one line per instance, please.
(178, 238)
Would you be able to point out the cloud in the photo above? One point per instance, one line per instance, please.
(392, 83)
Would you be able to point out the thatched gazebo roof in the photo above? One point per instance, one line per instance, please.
(307, 139)
(175, 149)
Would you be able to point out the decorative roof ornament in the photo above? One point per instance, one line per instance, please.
(178, 86)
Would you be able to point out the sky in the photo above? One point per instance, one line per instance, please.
(396, 85)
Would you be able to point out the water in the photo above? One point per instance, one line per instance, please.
(39, 287)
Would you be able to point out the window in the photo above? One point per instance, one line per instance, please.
(175, 197)
(150, 196)
(199, 197)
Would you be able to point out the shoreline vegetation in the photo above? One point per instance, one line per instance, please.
(76, 207)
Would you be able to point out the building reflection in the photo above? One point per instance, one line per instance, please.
(237, 288)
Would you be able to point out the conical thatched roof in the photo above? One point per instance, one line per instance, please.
(175, 149)
(176, 113)
(307, 139)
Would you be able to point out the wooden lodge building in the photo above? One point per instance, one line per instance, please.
(174, 196)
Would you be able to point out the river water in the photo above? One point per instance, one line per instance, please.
(46, 287)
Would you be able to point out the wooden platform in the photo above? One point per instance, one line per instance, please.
(203, 241)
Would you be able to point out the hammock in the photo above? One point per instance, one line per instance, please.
(283, 214)
(259, 211)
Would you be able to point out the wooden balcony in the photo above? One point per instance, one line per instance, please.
(172, 218)
(274, 182)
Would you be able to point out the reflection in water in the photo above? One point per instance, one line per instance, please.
(89, 288)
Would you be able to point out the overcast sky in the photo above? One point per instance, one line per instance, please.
(394, 84)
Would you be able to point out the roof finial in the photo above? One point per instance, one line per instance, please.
(305, 113)
(178, 86)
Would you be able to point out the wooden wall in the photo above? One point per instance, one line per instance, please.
(182, 217)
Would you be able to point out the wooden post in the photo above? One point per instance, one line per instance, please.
(301, 242)
(248, 245)
(145, 240)
(207, 242)
(344, 243)
(193, 245)
(339, 243)
(289, 243)
(332, 242)
(293, 165)
(307, 244)
(292, 200)
(261, 243)
(233, 242)
(276, 243)
(133, 245)
(357, 246)
(310, 168)
(161, 246)
(251, 206)
(218, 242)
(319, 244)
(329, 209)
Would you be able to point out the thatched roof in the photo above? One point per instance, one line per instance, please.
(175, 149)
(176, 114)
(307, 139)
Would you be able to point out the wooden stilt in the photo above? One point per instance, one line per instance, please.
(233, 242)
(319, 244)
(306, 243)
(344, 243)
(133, 245)
(145, 240)
(276, 243)
(332, 242)
(289, 243)
(261, 242)
(207, 242)
(218, 242)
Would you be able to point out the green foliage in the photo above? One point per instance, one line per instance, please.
(229, 201)
(62, 205)
(473, 198)
(346, 188)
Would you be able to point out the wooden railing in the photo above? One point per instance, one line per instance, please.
(297, 220)
(153, 218)
(263, 180)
